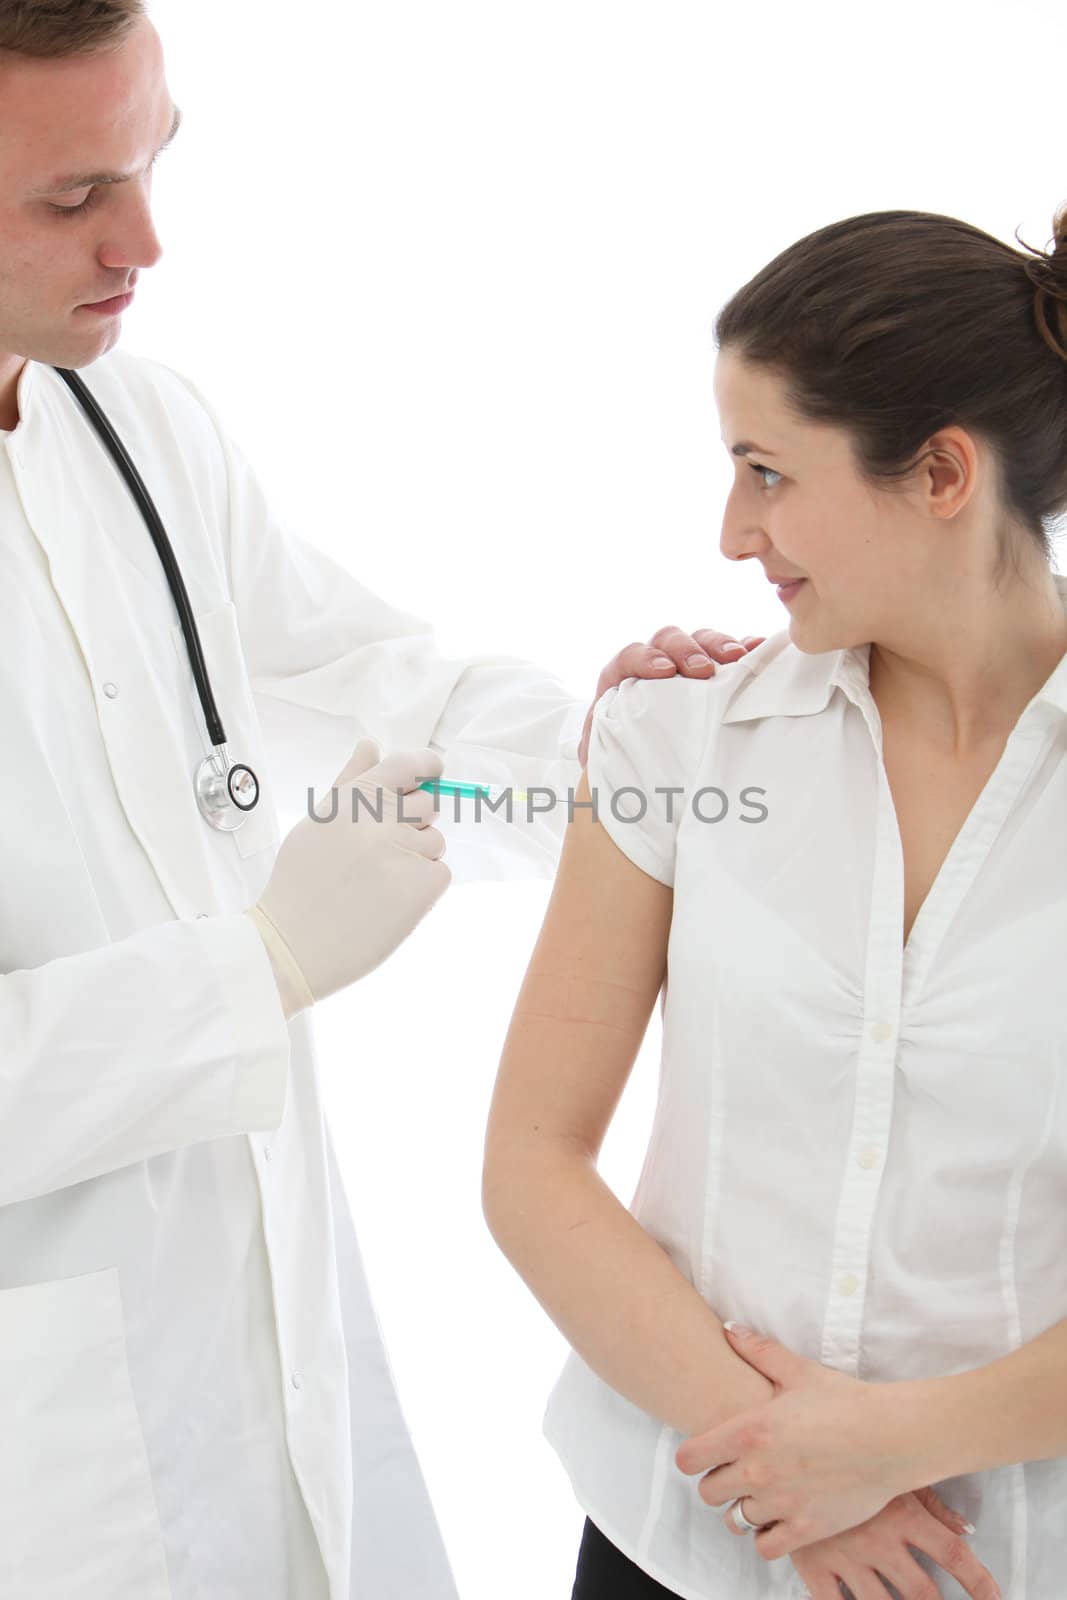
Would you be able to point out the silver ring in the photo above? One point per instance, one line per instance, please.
(741, 1522)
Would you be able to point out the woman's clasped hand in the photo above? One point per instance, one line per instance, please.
(824, 1467)
(879, 1548)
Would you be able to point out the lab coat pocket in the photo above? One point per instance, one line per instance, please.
(220, 641)
(78, 1517)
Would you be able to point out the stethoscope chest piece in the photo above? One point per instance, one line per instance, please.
(224, 793)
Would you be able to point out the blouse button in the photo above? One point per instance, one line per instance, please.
(849, 1283)
(110, 690)
(868, 1158)
(881, 1032)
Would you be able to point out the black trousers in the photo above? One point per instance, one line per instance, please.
(604, 1573)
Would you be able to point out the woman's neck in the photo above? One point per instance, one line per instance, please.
(968, 682)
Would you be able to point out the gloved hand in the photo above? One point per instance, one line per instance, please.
(344, 893)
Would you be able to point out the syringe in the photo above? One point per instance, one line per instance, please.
(488, 791)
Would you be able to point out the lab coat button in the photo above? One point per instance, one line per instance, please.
(110, 690)
(294, 1379)
(849, 1283)
(868, 1158)
(881, 1032)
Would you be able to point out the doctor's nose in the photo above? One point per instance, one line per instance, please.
(132, 241)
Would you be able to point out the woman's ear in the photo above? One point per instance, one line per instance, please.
(951, 469)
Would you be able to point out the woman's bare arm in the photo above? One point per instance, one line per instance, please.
(593, 979)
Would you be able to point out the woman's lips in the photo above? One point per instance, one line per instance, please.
(786, 591)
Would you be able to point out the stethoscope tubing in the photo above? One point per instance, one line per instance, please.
(115, 447)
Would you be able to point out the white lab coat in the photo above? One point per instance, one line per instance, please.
(195, 1400)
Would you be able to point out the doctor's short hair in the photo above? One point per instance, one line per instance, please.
(894, 324)
(55, 28)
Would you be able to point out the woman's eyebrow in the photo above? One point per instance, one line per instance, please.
(86, 180)
(745, 447)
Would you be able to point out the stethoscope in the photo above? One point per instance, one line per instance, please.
(225, 792)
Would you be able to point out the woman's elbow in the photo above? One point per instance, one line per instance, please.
(504, 1188)
(522, 1176)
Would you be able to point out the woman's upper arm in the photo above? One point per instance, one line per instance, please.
(584, 1005)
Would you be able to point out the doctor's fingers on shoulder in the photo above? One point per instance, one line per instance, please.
(724, 646)
(692, 654)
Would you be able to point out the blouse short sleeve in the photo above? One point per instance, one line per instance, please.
(645, 745)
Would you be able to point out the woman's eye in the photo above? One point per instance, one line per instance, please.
(756, 468)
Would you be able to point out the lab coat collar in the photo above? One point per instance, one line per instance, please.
(23, 391)
(787, 683)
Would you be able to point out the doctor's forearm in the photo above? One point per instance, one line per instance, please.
(615, 1294)
(196, 998)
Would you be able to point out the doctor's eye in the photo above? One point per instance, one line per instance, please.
(79, 209)
(756, 468)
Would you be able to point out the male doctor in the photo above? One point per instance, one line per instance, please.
(194, 1396)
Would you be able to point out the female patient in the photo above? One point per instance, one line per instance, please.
(855, 901)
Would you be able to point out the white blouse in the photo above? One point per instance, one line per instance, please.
(858, 1148)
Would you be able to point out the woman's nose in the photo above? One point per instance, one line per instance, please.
(741, 535)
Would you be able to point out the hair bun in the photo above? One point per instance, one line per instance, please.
(1059, 235)
(1048, 274)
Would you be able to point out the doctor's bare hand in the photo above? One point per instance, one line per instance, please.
(345, 893)
(669, 651)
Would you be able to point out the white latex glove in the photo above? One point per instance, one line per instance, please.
(344, 894)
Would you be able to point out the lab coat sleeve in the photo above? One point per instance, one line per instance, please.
(330, 662)
(90, 1083)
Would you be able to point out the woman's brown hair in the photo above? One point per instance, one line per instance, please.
(894, 324)
(54, 28)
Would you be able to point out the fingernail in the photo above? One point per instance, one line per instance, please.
(698, 659)
(968, 1527)
(733, 645)
(740, 1330)
(662, 661)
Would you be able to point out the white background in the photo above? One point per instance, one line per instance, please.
(448, 270)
